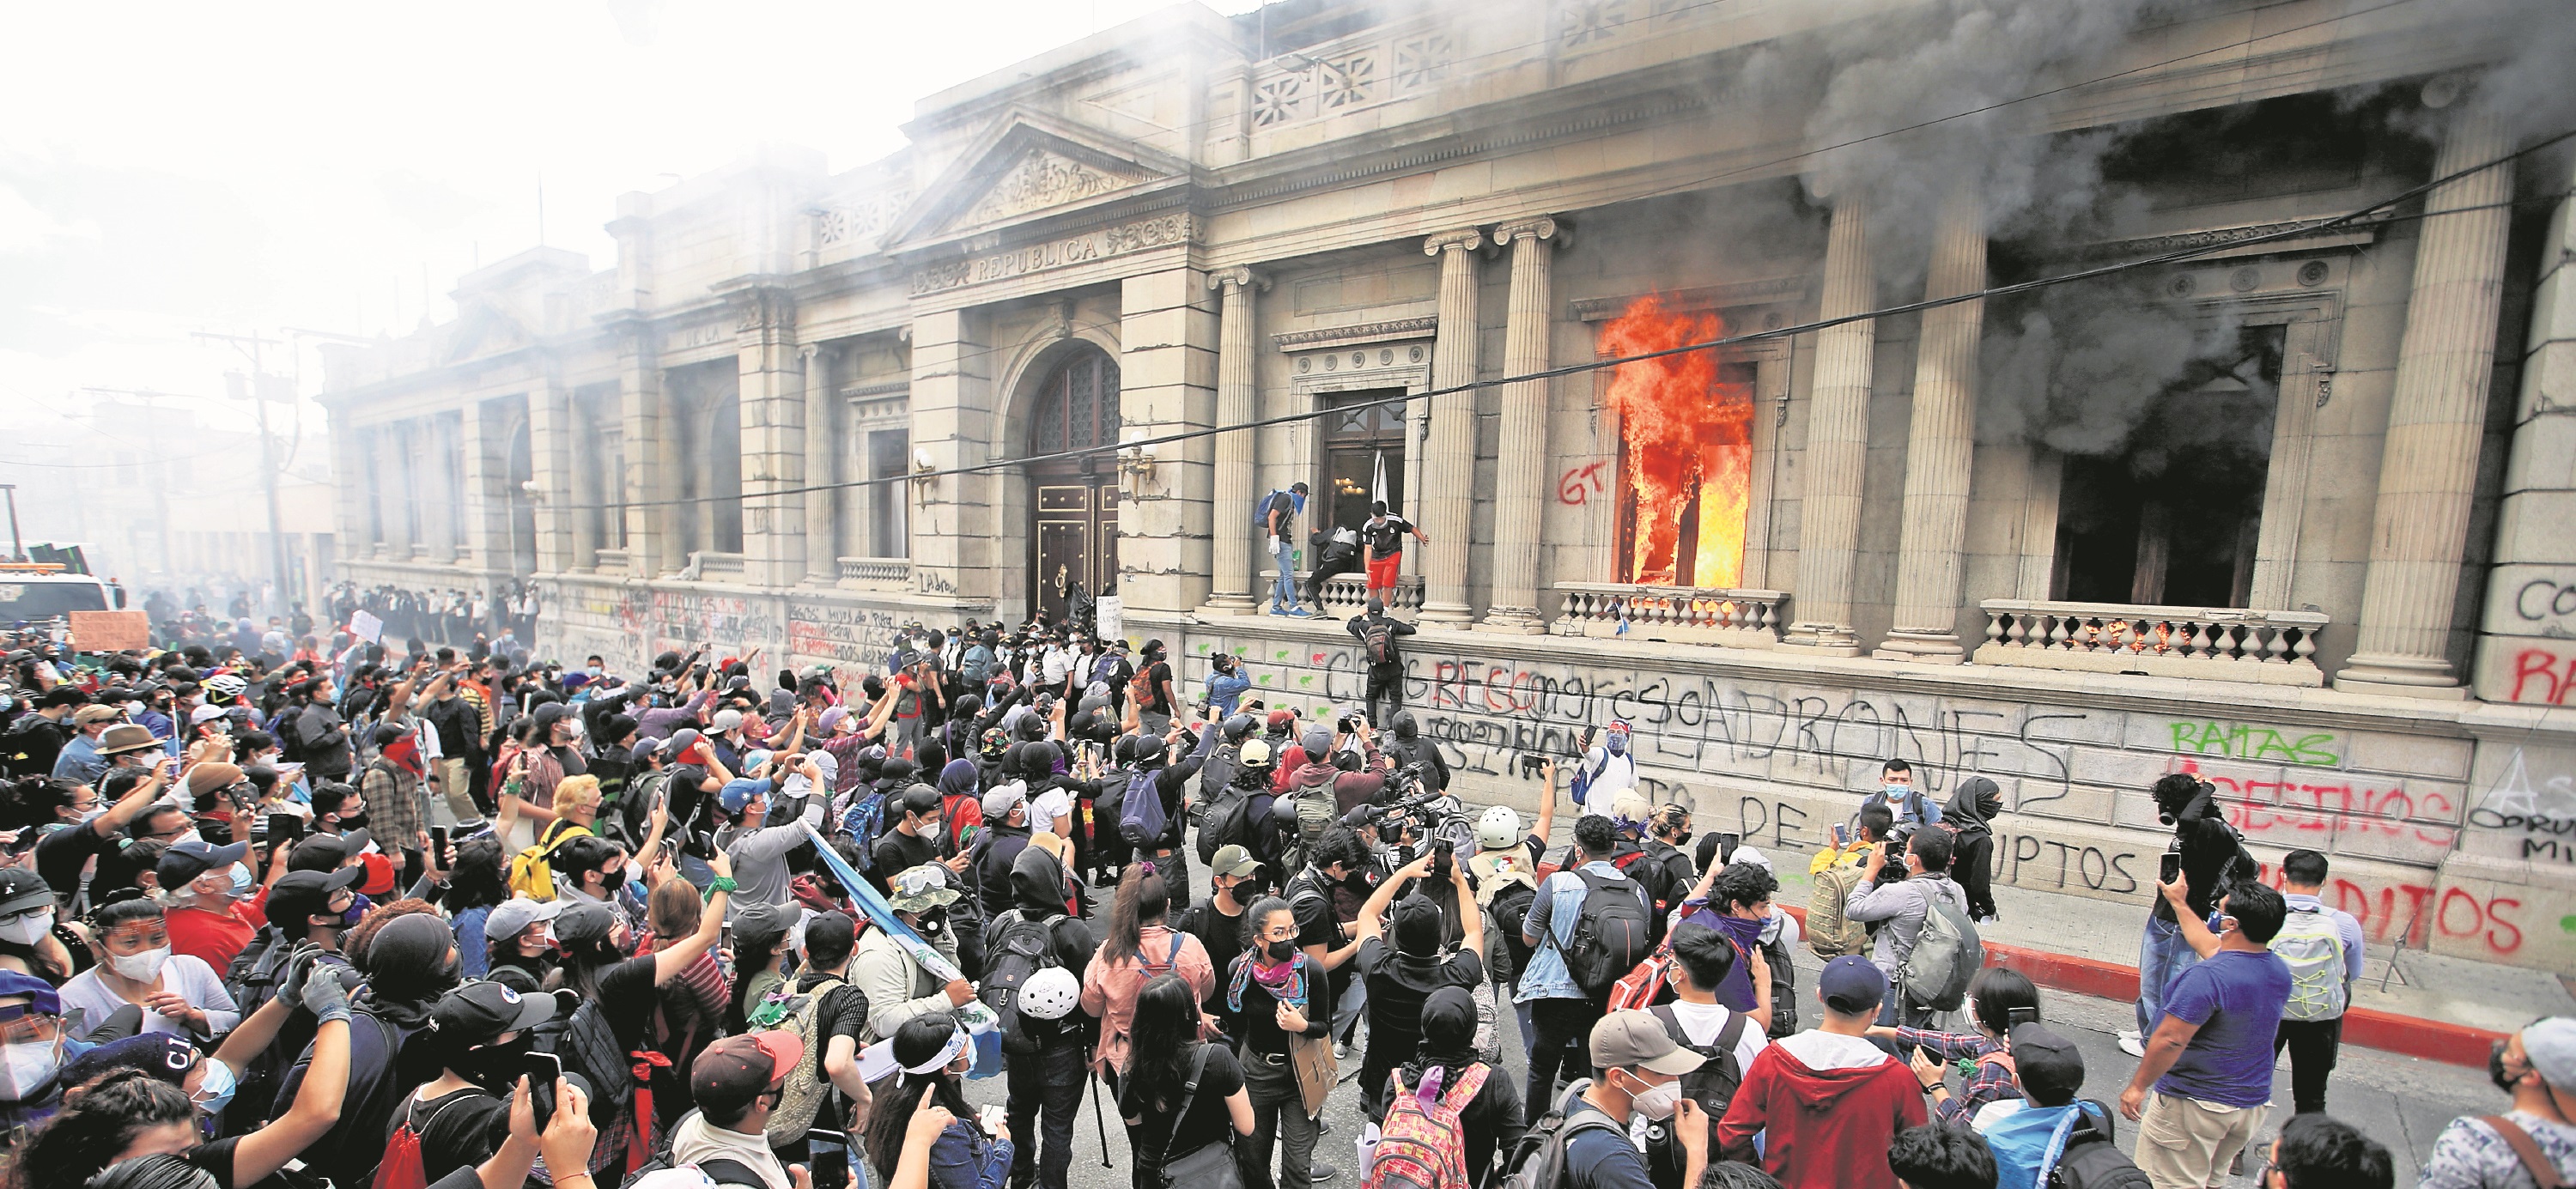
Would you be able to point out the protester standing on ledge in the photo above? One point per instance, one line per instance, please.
(1278, 515)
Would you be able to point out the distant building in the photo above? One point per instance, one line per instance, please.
(2286, 511)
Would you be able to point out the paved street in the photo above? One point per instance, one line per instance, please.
(2400, 1101)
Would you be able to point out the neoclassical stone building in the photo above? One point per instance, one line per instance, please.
(2294, 511)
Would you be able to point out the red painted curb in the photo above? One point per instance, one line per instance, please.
(2412, 1036)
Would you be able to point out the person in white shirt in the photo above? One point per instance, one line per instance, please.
(1608, 770)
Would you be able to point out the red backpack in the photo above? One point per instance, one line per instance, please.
(402, 1167)
(1422, 1146)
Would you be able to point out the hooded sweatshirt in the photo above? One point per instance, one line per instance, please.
(1970, 814)
(1832, 1104)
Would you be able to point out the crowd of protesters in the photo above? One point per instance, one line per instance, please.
(428, 915)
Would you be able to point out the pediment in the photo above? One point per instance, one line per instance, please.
(483, 329)
(1031, 166)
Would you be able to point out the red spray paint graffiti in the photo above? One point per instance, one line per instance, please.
(2423, 914)
(1578, 485)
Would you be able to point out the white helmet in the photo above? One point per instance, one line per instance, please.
(1499, 828)
(226, 685)
(1050, 994)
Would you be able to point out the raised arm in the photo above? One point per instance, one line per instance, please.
(317, 1103)
(670, 961)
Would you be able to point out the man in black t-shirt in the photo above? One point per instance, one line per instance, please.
(61, 854)
(1401, 976)
(1217, 921)
(1156, 710)
(1382, 537)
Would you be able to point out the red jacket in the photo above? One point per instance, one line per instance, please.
(1829, 1129)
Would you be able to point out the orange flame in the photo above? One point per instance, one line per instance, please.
(1688, 446)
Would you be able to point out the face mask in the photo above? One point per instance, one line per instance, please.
(1896, 792)
(2496, 1071)
(1617, 743)
(143, 967)
(241, 880)
(2217, 922)
(596, 671)
(1658, 1102)
(1683, 838)
(27, 1068)
(352, 821)
(1281, 951)
(494, 1067)
(933, 923)
(217, 1092)
(27, 930)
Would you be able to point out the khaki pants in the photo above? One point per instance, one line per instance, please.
(2184, 1143)
(454, 781)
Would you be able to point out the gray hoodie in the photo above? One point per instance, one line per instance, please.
(1902, 905)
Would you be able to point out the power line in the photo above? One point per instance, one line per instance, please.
(2292, 231)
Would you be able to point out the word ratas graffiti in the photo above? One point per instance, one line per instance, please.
(1578, 485)
(2239, 741)
(2543, 676)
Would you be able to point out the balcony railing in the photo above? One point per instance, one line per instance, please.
(877, 571)
(711, 564)
(1347, 594)
(1698, 615)
(2211, 643)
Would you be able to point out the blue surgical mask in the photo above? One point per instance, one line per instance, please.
(216, 1092)
(1897, 792)
(1617, 742)
(2217, 921)
(242, 881)
(1299, 501)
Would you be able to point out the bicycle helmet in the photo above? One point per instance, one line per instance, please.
(226, 686)
(1050, 994)
(1499, 828)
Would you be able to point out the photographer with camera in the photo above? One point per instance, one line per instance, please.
(1401, 976)
(2208, 854)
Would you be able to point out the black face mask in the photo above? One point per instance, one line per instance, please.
(494, 1068)
(932, 923)
(1683, 838)
(2495, 1068)
(1281, 951)
(354, 821)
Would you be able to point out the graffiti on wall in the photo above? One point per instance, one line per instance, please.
(2536, 812)
(2541, 674)
(838, 634)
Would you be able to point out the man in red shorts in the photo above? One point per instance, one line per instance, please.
(1384, 535)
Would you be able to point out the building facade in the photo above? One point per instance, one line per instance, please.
(2287, 506)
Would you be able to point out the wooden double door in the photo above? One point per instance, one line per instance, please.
(1073, 538)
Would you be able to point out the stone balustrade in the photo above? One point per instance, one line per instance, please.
(711, 564)
(1347, 594)
(2210, 643)
(876, 571)
(1682, 614)
(610, 561)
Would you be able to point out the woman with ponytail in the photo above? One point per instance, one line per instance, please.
(1137, 948)
(177, 994)
(934, 1052)
(1167, 1052)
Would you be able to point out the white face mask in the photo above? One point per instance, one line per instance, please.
(1658, 1102)
(27, 930)
(27, 1068)
(143, 967)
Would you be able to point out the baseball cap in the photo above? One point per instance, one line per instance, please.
(1232, 861)
(22, 890)
(1255, 753)
(739, 1068)
(1004, 798)
(298, 895)
(40, 994)
(477, 1013)
(1851, 985)
(921, 888)
(1630, 808)
(1634, 1039)
(762, 923)
(205, 714)
(548, 714)
(164, 1056)
(512, 917)
(2050, 1067)
(189, 858)
(1317, 743)
(725, 720)
(90, 714)
(590, 920)
(2551, 1045)
(739, 791)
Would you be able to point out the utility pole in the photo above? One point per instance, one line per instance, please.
(250, 345)
(17, 544)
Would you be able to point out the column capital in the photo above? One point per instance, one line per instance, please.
(1465, 239)
(1237, 277)
(1538, 227)
(807, 351)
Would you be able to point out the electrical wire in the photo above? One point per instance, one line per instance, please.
(2292, 231)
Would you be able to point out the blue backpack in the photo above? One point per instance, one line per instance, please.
(1140, 813)
(1261, 508)
(864, 820)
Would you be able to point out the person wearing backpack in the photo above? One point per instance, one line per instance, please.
(1902, 910)
(738, 1083)
(1276, 515)
(1581, 1142)
(1031, 944)
(2040, 1126)
(1217, 920)
(1402, 972)
(2323, 948)
(1136, 948)
(1493, 1119)
(1833, 875)
(479, 1036)
(1152, 817)
(1997, 999)
(1377, 633)
(2200, 1092)
(1703, 959)
(828, 1016)
(1586, 928)
(1828, 1101)
(2536, 1066)
(1183, 1100)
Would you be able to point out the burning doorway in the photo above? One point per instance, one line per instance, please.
(1685, 449)
(2172, 518)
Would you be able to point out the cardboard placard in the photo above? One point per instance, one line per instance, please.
(111, 631)
(366, 627)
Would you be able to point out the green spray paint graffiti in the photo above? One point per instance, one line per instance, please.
(2239, 741)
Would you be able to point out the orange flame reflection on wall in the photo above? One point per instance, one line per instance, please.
(1687, 447)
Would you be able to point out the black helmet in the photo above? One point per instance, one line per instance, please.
(1237, 726)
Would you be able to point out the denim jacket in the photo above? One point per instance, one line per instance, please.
(1226, 689)
(1548, 977)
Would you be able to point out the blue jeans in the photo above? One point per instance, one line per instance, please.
(1283, 593)
(2162, 954)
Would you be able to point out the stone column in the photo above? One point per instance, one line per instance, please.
(823, 437)
(1449, 470)
(1941, 443)
(581, 473)
(485, 502)
(772, 405)
(1522, 499)
(955, 548)
(550, 466)
(350, 483)
(2528, 635)
(1237, 453)
(1167, 369)
(2429, 466)
(649, 528)
(1837, 442)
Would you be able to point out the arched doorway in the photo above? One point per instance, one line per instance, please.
(1073, 505)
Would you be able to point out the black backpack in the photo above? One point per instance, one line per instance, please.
(587, 1046)
(1377, 635)
(1538, 1160)
(1015, 949)
(1610, 937)
(2092, 1159)
(1228, 821)
(1713, 1084)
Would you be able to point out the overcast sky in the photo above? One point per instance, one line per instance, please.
(169, 168)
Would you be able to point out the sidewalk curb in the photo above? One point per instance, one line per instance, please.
(2410, 1036)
